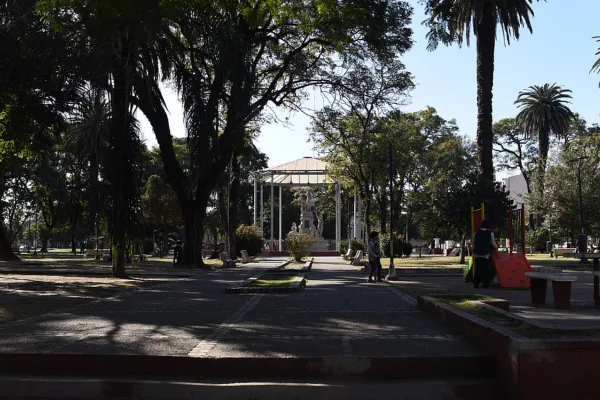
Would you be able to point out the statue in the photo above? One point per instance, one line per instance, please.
(320, 226)
(294, 228)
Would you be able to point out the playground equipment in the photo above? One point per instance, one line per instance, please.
(510, 267)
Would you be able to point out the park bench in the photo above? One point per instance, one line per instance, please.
(246, 258)
(561, 288)
(138, 257)
(357, 259)
(227, 262)
(348, 255)
(562, 252)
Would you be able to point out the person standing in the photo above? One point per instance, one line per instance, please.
(374, 258)
(177, 253)
(483, 245)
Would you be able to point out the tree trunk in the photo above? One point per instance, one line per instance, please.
(383, 213)
(233, 200)
(486, 42)
(73, 244)
(118, 141)
(94, 203)
(165, 242)
(222, 209)
(463, 245)
(194, 215)
(6, 252)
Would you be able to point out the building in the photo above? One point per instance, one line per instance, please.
(517, 188)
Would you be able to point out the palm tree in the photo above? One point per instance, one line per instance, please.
(451, 21)
(544, 111)
(89, 130)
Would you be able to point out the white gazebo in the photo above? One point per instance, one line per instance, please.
(304, 172)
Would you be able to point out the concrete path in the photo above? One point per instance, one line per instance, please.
(338, 314)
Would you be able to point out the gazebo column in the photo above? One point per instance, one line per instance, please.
(280, 222)
(255, 213)
(262, 210)
(338, 227)
(354, 226)
(360, 225)
(272, 211)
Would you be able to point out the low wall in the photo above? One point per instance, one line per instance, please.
(544, 369)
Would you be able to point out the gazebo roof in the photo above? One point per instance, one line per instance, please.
(306, 171)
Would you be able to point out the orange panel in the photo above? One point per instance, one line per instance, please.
(511, 269)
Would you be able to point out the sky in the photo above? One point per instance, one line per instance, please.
(561, 50)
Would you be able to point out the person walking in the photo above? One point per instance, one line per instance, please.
(374, 258)
(483, 245)
(178, 253)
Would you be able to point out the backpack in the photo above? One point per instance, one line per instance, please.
(482, 242)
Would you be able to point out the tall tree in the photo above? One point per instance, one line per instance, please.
(451, 21)
(514, 150)
(544, 111)
(239, 57)
(124, 37)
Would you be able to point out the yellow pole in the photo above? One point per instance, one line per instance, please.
(482, 211)
(472, 222)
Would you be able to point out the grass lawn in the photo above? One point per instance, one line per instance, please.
(464, 303)
(23, 296)
(536, 260)
(415, 262)
(273, 281)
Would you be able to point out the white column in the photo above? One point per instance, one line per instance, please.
(262, 210)
(354, 226)
(255, 214)
(338, 227)
(360, 226)
(272, 211)
(280, 238)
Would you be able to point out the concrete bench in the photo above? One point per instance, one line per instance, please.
(227, 262)
(561, 288)
(357, 259)
(561, 252)
(348, 255)
(246, 258)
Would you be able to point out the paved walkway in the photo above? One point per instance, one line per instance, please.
(582, 315)
(339, 314)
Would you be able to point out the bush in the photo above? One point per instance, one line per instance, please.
(356, 245)
(401, 248)
(299, 244)
(248, 238)
(344, 246)
(407, 248)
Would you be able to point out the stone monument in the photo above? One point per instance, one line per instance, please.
(307, 221)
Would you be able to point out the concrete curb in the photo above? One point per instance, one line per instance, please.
(534, 368)
(464, 389)
(108, 272)
(182, 367)
(298, 285)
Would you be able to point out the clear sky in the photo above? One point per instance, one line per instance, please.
(561, 50)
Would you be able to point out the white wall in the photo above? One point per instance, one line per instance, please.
(517, 187)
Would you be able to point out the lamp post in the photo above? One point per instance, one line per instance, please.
(582, 239)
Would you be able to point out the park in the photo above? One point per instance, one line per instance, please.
(267, 199)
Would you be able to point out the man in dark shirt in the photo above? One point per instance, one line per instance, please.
(483, 245)
(177, 253)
